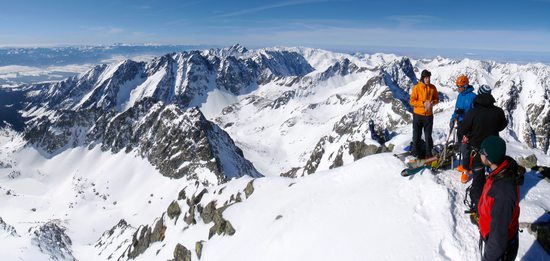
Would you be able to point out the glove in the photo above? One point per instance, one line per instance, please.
(459, 112)
(451, 123)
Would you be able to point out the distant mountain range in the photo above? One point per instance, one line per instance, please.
(211, 121)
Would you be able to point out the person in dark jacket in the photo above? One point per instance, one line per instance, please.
(376, 134)
(424, 96)
(484, 120)
(499, 203)
(464, 103)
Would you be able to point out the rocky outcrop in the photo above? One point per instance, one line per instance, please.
(350, 136)
(144, 237)
(173, 210)
(181, 253)
(176, 142)
(182, 78)
(198, 248)
(51, 239)
(111, 243)
(6, 229)
(528, 162)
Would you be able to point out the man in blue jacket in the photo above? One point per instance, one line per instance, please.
(464, 103)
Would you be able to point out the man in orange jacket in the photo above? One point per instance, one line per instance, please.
(423, 97)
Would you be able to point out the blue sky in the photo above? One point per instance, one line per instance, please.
(332, 24)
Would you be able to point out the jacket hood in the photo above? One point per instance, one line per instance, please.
(468, 89)
(511, 170)
(485, 100)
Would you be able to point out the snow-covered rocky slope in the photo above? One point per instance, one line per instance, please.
(164, 159)
(115, 206)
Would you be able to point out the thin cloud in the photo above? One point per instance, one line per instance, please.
(105, 30)
(269, 7)
(408, 20)
(479, 39)
(116, 30)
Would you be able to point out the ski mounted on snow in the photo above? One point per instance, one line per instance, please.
(416, 166)
(442, 159)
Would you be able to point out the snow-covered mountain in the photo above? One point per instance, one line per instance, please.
(179, 143)
(87, 170)
(184, 79)
(25, 65)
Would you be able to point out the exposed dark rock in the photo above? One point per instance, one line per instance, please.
(360, 150)
(528, 162)
(198, 248)
(181, 195)
(173, 210)
(196, 199)
(249, 189)
(52, 240)
(144, 237)
(189, 217)
(10, 230)
(541, 231)
(181, 253)
(208, 212)
(316, 156)
(292, 173)
(177, 142)
(371, 85)
(283, 100)
(114, 235)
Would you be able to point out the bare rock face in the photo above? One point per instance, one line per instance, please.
(173, 210)
(144, 237)
(528, 162)
(181, 253)
(151, 107)
(6, 229)
(176, 142)
(112, 242)
(198, 248)
(51, 239)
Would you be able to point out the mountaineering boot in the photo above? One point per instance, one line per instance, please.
(465, 177)
(460, 169)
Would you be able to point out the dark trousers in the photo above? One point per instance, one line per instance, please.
(465, 155)
(422, 123)
(478, 181)
(464, 149)
(511, 250)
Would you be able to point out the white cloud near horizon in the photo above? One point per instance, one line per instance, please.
(411, 20)
(480, 39)
(116, 30)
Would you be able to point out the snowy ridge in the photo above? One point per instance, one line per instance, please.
(98, 151)
(181, 78)
(362, 203)
(180, 143)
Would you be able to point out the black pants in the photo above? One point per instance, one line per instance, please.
(422, 123)
(464, 149)
(478, 181)
(465, 155)
(511, 250)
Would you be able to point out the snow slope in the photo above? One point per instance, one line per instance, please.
(361, 211)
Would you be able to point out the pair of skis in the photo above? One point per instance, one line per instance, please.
(434, 162)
